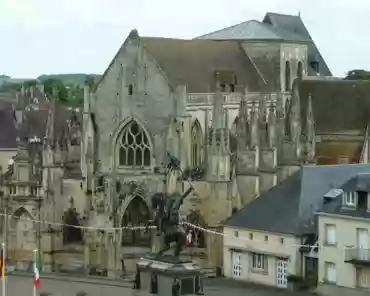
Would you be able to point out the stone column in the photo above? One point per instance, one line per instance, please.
(87, 253)
(111, 256)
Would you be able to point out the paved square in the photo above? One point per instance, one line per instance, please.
(23, 286)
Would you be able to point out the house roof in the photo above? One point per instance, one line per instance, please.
(294, 24)
(360, 182)
(339, 106)
(290, 206)
(194, 62)
(254, 30)
(8, 129)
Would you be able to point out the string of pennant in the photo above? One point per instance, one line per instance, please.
(188, 225)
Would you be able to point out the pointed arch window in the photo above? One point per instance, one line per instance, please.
(287, 76)
(134, 146)
(196, 145)
(300, 70)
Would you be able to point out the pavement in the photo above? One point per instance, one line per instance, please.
(22, 285)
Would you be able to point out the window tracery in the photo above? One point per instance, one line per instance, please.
(134, 146)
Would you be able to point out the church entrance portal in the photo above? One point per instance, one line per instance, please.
(136, 214)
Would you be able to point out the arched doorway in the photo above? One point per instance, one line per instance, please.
(71, 234)
(136, 214)
(23, 232)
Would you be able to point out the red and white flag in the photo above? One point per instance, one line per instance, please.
(189, 238)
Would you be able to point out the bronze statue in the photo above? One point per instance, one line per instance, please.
(167, 215)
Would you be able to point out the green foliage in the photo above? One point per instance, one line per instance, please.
(67, 88)
(67, 79)
(358, 75)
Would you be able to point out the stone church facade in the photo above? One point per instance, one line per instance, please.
(237, 114)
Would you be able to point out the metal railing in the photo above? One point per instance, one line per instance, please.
(358, 255)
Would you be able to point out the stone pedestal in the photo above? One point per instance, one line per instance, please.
(156, 242)
(167, 275)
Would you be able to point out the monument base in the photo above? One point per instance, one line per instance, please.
(168, 276)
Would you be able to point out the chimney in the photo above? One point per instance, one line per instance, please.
(315, 65)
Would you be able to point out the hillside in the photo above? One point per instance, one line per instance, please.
(73, 78)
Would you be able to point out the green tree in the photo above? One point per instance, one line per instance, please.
(55, 84)
(90, 81)
(358, 74)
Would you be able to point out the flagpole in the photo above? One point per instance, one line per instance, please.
(3, 268)
(34, 267)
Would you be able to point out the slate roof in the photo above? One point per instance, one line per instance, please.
(290, 206)
(294, 24)
(360, 182)
(194, 62)
(7, 129)
(254, 30)
(339, 106)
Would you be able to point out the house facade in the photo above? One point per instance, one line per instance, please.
(344, 255)
(276, 235)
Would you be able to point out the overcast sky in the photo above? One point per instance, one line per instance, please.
(82, 36)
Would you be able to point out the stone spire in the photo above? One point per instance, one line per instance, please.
(242, 125)
(310, 131)
(218, 118)
(219, 152)
(262, 117)
(272, 127)
(254, 127)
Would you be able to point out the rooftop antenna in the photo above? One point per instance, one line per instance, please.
(299, 13)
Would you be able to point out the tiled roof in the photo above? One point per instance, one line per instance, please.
(194, 62)
(290, 206)
(339, 106)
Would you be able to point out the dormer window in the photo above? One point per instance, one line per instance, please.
(350, 199)
(362, 200)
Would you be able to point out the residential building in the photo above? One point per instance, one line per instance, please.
(275, 235)
(344, 254)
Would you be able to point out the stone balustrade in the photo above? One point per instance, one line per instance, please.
(229, 98)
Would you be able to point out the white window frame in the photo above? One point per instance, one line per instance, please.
(330, 234)
(259, 262)
(350, 199)
(330, 272)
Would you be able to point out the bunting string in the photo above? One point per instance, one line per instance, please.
(247, 241)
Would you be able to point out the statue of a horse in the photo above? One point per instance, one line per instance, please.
(167, 219)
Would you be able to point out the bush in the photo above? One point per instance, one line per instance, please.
(81, 293)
